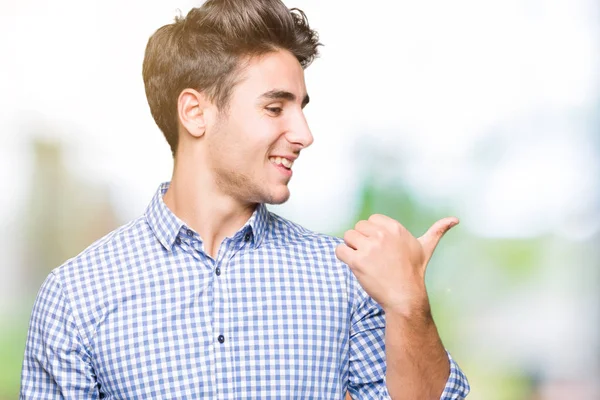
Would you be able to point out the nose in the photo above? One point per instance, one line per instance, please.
(299, 132)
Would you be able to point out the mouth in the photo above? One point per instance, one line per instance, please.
(282, 162)
(283, 165)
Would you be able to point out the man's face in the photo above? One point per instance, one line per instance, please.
(253, 146)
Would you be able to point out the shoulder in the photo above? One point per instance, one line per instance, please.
(320, 249)
(284, 233)
(305, 249)
(85, 283)
(108, 267)
(102, 256)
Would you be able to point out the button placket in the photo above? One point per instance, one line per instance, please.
(221, 300)
(223, 329)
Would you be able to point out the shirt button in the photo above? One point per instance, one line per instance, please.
(218, 271)
(178, 240)
(247, 237)
(221, 338)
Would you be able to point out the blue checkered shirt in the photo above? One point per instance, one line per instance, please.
(145, 313)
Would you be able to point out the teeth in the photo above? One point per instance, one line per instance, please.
(282, 161)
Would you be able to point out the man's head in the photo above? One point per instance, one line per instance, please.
(208, 48)
(226, 86)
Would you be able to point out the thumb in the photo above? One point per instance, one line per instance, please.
(431, 238)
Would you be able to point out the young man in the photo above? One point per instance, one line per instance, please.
(208, 294)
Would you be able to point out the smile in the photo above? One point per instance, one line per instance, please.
(281, 161)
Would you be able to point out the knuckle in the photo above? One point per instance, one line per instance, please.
(375, 217)
(379, 234)
(370, 250)
(360, 224)
(397, 227)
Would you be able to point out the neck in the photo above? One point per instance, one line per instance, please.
(196, 200)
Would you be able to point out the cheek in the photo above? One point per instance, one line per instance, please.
(256, 141)
(250, 137)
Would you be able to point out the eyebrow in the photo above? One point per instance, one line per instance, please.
(284, 95)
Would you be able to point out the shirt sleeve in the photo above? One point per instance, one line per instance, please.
(367, 356)
(457, 386)
(56, 364)
(366, 378)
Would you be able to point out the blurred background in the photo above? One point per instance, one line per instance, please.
(487, 110)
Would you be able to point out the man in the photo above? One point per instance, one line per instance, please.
(208, 294)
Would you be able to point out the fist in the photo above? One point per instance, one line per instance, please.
(389, 262)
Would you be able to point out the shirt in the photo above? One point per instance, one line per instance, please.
(145, 313)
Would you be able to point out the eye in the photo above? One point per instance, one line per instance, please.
(275, 111)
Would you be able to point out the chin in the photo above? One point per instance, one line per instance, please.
(279, 196)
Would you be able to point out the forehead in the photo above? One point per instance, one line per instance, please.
(272, 71)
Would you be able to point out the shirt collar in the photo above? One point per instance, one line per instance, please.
(166, 225)
(161, 219)
(258, 223)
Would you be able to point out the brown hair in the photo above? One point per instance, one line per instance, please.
(204, 51)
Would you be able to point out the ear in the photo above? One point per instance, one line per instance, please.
(193, 109)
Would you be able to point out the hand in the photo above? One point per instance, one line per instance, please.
(389, 262)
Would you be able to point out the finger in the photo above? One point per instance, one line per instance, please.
(386, 222)
(344, 253)
(354, 239)
(366, 228)
(431, 238)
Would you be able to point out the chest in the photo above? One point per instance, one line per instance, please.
(247, 326)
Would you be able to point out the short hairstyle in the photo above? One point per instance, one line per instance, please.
(204, 51)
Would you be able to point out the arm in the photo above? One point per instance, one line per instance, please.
(366, 358)
(56, 364)
(390, 265)
(418, 366)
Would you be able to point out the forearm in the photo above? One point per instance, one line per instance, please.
(417, 363)
(390, 265)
